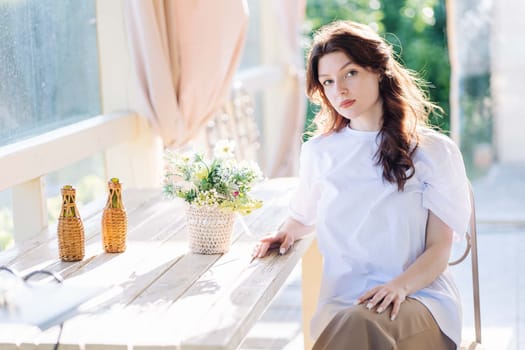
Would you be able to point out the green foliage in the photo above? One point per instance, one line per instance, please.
(477, 122)
(320, 12)
(415, 28)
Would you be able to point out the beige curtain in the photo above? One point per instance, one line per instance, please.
(290, 17)
(185, 53)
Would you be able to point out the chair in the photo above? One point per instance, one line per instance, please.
(235, 121)
(472, 248)
(311, 280)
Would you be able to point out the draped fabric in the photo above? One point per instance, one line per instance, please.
(284, 158)
(185, 54)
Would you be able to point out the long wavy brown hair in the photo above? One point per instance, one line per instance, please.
(405, 101)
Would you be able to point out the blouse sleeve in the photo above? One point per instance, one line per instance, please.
(303, 204)
(445, 185)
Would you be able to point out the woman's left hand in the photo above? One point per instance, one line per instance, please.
(382, 296)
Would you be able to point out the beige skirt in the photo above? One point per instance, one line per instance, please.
(359, 328)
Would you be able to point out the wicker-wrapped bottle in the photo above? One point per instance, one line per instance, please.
(70, 230)
(114, 220)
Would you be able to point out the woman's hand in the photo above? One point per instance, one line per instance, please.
(285, 236)
(284, 240)
(382, 296)
(427, 267)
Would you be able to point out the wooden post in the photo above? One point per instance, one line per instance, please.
(312, 266)
(29, 209)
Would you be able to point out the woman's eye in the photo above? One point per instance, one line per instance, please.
(351, 73)
(327, 82)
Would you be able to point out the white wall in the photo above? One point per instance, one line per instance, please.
(508, 73)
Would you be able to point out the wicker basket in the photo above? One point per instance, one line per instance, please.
(70, 230)
(114, 220)
(209, 228)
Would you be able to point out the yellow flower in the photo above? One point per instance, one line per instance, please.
(201, 174)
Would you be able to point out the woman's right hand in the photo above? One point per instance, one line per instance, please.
(281, 239)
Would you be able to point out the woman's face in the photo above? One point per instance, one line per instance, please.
(352, 90)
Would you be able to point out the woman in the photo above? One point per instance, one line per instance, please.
(385, 194)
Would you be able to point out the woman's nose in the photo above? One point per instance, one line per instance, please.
(341, 88)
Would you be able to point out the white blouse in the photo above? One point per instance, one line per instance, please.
(368, 232)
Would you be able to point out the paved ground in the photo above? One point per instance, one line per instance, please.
(500, 195)
(500, 202)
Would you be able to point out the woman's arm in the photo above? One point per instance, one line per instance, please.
(427, 267)
(290, 231)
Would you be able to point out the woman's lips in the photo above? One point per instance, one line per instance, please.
(346, 103)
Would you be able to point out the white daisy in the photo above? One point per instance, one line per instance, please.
(224, 149)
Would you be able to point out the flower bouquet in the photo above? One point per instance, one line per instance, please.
(215, 189)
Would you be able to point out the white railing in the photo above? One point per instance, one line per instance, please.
(30, 159)
(25, 163)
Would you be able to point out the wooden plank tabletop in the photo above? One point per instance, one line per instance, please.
(161, 296)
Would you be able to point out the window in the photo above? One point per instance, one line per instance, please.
(252, 49)
(49, 78)
(48, 66)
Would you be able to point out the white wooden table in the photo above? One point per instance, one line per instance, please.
(166, 297)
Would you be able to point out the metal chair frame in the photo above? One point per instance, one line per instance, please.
(472, 248)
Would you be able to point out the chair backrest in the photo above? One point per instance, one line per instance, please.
(235, 121)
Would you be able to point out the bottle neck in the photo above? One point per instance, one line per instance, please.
(69, 208)
(114, 198)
